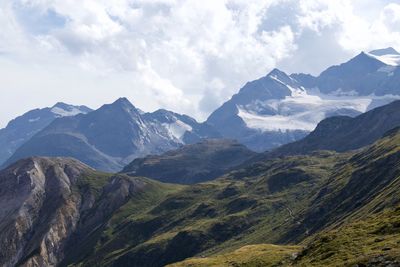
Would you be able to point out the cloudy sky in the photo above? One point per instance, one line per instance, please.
(188, 56)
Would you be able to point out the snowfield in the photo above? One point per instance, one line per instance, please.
(66, 113)
(303, 110)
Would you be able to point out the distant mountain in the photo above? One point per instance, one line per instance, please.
(181, 127)
(112, 136)
(191, 164)
(280, 108)
(345, 133)
(245, 116)
(22, 128)
(266, 113)
(366, 74)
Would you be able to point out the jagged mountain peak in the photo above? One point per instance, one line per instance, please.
(123, 102)
(110, 136)
(61, 109)
(121, 106)
(362, 58)
(271, 86)
(281, 77)
(163, 114)
(277, 72)
(61, 105)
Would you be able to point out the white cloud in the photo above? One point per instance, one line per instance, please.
(330, 32)
(318, 14)
(365, 33)
(390, 16)
(354, 30)
(184, 55)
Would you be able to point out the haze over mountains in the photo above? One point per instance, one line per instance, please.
(266, 113)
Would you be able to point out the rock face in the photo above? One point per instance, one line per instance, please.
(39, 210)
(113, 135)
(193, 163)
(22, 128)
(45, 204)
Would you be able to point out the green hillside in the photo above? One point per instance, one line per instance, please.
(373, 241)
(280, 201)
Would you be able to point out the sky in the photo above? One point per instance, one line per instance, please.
(187, 56)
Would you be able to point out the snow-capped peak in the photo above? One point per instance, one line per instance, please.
(388, 56)
(65, 110)
(277, 72)
(287, 81)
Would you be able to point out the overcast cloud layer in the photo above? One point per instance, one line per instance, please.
(187, 56)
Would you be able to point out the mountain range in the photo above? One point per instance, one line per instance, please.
(113, 135)
(281, 108)
(118, 186)
(323, 208)
(266, 113)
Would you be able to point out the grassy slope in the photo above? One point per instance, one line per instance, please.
(95, 182)
(249, 206)
(277, 201)
(247, 256)
(365, 184)
(373, 241)
(359, 219)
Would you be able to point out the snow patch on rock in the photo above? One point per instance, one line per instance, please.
(72, 111)
(35, 119)
(177, 129)
(390, 59)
